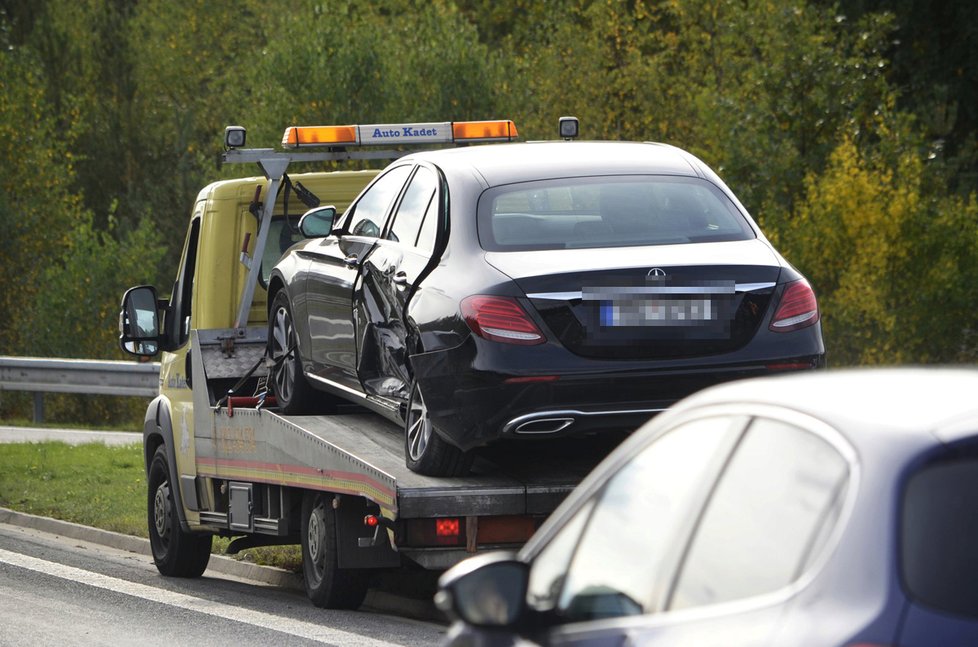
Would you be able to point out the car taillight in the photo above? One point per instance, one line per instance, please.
(798, 308)
(500, 319)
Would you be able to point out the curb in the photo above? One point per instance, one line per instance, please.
(219, 563)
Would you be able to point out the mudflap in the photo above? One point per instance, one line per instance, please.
(350, 528)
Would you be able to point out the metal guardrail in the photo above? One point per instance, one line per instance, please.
(92, 377)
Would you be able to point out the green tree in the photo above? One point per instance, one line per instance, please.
(37, 204)
(894, 268)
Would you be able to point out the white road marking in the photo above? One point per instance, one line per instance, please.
(298, 628)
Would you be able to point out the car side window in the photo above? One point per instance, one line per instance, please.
(766, 517)
(589, 570)
(370, 210)
(411, 211)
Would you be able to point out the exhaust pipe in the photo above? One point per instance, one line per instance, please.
(543, 426)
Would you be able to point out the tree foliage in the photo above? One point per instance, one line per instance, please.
(847, 129)
(893, 286)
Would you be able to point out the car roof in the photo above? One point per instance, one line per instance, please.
(506, 163)
(911, 402)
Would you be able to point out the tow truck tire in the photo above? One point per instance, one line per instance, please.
(292, 392)
(327, 585)
(426, 452)
(176, 553)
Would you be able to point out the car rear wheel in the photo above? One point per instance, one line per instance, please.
(176, 553)
(292, 392)
(327, 585)
(425, 451)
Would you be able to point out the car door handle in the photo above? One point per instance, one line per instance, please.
(400, 278)
(351, 260)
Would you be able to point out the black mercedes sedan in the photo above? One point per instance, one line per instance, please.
(530, 290)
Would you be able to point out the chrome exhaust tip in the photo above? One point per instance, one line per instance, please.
(543, 426)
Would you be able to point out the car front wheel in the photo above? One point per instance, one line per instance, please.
(292, 393)
(176, 553)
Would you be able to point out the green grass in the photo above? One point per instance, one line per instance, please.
(90, 484)
(96, 485)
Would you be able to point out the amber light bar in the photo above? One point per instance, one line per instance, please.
(447, 132)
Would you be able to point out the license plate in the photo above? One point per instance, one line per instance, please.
(657, 312)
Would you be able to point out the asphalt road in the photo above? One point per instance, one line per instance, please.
(59, 591)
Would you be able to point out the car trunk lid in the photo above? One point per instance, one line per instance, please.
(657, 302)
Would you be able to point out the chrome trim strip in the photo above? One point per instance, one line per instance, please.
(557, 296)
(353, 393)
(595, 293)
(752, 287)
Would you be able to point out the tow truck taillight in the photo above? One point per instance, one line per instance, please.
(442, 531)
(470, 532)
(797, 309)
(448, 528)
(500, 319)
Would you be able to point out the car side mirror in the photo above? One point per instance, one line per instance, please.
(485, 591)
(318, 222)
(139, 322)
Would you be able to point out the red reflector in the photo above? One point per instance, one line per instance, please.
(370, 521)
(500, 319)
(531, 378)
(789, 366)
(447, 527)
(798, 308)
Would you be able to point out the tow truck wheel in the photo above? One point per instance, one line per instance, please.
(176, 553)
(327, 585)
(425, 451)
(292, 392)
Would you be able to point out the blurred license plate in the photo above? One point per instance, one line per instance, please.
(656, 312)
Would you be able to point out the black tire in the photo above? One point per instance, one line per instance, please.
(292, 392)
(176, 553)
(327, 585)
(425, 452)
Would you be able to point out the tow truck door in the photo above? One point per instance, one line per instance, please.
(390, 277)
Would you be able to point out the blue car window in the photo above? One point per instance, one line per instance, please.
(642, 510)
(939, 532)
(761, 525)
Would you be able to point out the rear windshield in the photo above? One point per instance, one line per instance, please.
(607, 212)
(939, 556)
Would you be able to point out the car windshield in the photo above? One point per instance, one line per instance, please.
(592, 212)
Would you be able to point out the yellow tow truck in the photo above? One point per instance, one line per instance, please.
(221, 461)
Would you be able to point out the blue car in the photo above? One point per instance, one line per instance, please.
(828, 508)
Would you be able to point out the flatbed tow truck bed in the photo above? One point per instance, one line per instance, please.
(519, 487)
(525, 483)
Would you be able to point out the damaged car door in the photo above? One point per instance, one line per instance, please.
(391, 274)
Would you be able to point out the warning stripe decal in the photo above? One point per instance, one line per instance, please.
(298, 476)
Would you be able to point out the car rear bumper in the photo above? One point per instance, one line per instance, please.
(471, 405)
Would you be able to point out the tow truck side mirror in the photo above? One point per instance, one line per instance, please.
(318, 222)
(139, 322)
